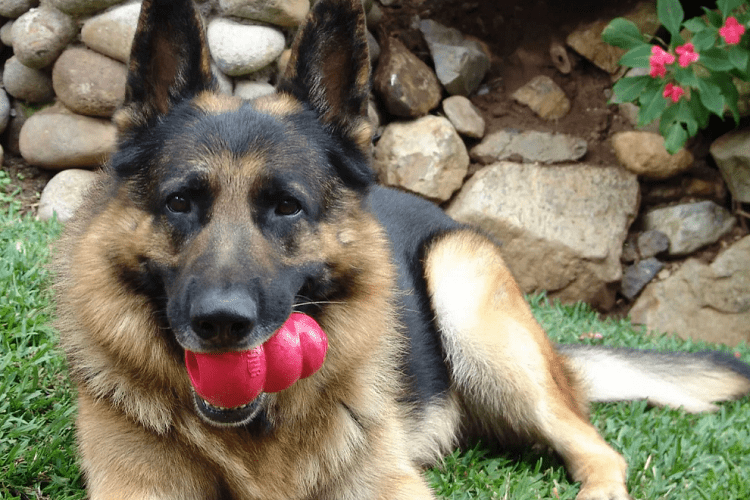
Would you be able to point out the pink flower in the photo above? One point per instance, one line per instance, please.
(674, 92)
(687, 55)
(732, 31)
(659, 58)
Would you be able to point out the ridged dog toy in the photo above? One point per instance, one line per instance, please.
(233, 379)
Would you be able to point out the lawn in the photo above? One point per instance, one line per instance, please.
(671, 454)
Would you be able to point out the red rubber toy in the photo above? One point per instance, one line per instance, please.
(232, 379)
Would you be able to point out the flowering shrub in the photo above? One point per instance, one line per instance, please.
(688, 80)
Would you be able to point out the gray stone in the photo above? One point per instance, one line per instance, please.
(111, 33)
(40, 35)
(690, 226)
(4, 110)
(637, 276)
(643, 153)
(14, 8)
(88, 82)
(406, 85)
(226, 86)
(464, 116)
(252, 90)
(64, 193)
(279, 12)
(425, 156)
(702, 302)
(6, 33)
(373, 47)
(731, 152)
(27, 84)
(460, 63)
(239, 49)
(56, 138)
(544, 97)
(82, 7)
(651, 243)
(530, 146)
(561, 228)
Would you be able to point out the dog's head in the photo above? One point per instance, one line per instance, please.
(250, 204)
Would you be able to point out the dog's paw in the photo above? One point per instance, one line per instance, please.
(604, 492)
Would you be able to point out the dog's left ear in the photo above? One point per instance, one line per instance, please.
(169, 62)
(329, 68)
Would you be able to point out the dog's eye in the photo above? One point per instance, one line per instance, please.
(287, 206)
(178, 203)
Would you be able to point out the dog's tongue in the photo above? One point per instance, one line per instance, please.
(232, 379)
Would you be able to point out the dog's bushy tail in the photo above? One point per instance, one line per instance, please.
(693, 381)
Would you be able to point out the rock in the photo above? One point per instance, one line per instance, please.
(64, 193)
(15, 124)
(731, 152)
(56, 138)
(690, 226)
(89, 83)
(40, 35)
(406, 85)
(702, 301)
(6, 34)
(425, 156)
(4, 110)
(111, 33)
(374, 16)
(239, 49)
(643, 153)
(530, 146)
(464, 116)
(27, 84)
(373, 47)
(544, 97)
(14, 8)
(651, 243)
(279, 12)
(561, 228)
(637, 276)
(226, 86)
(460, 63)
(82, 7)
(252, 90)
(587, 39)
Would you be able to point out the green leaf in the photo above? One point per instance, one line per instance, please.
(704, 39)
(696, 25)
(675, 138)
(685, 76)
(671, 16)
(668, 117)
(739, 57)
(711, 96)
(727, 6)
(699, 110)
(715, 59)
(637, 57)
(652, 106)
(622, 33)
(685, 115)
(729, 91)
(629, 88)
(714, 17)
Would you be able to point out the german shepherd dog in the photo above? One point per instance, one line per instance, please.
(217, 218)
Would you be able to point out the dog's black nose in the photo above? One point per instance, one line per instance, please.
(223, 317)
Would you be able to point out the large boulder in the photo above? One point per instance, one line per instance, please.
(561, 228)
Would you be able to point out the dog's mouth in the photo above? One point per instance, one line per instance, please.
(236, 416)
(230, 386)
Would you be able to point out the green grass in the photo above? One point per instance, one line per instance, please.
(671, 454)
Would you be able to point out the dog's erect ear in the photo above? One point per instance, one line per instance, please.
(169, 61)
(329, 68)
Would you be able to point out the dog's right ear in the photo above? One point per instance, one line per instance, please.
(169, 62)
